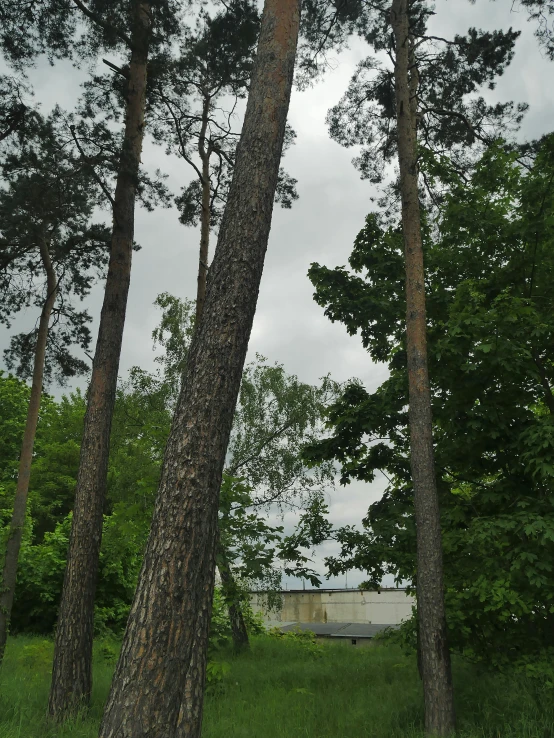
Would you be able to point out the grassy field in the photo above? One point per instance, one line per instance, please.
(283, 690)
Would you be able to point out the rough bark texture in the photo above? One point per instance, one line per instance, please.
(72, 670)
(13, 544)
(205, 216)
(158, 684)
(435, 656)
(239, 632)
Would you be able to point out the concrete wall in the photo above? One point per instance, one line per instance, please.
(390, 606)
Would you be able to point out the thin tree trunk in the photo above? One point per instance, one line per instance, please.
(13, 543)
(159, 678)
(236, 619)
(72, 670)
(435, 656)
(205, 216)
(239, 632)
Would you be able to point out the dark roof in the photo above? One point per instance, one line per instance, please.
(338, 589)
(340, 630)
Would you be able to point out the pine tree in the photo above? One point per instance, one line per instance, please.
(160, 674)
(422, 103)
(12, 107)
(49, 253)
(434, 654)
(193, 111)
(73, 29)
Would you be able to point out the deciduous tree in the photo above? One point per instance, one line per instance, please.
(490, 329)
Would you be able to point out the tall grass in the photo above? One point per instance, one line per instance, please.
(24, 687)
(284, 689)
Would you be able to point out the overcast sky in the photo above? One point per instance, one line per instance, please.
(289, 327)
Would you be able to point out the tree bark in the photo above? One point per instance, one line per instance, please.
(435, 656)
(239, 632)
(236, 619)
(159, 678)
(205, 215)
(72, 670)
(17, 523)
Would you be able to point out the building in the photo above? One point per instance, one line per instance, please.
(350, 614)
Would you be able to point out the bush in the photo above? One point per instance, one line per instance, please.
(306, 639)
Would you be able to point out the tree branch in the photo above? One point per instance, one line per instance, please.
(94, 174)
(461, 116)
(232, 470)
(115, 68)
(548, 396)
(102, 23)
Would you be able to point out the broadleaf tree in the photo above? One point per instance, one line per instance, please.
(491, 374)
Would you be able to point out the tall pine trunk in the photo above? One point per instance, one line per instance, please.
(159, 678)
(15, 534)
(72, 670)
(435, 656)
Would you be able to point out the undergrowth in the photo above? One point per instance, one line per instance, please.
(289, 687)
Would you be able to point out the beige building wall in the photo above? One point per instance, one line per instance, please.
(389, 606)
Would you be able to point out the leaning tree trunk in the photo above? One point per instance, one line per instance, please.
(15, 534)
(72, 670)
(159, 678)
(435, 656)
(239, 632)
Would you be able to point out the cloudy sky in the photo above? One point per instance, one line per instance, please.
(289, 327)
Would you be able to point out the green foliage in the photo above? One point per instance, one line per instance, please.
(108, 652)
(276, 415)
(173, 335)
(305, 639)
(490, 330)
(216, 671)
(60, 30)
(452, 119)
(14, 113)
(542, 12)
(193, 101)
(276, 689)
(220, 628)
(47, 201)
(36, 656)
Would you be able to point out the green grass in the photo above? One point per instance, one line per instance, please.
(282, 690)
